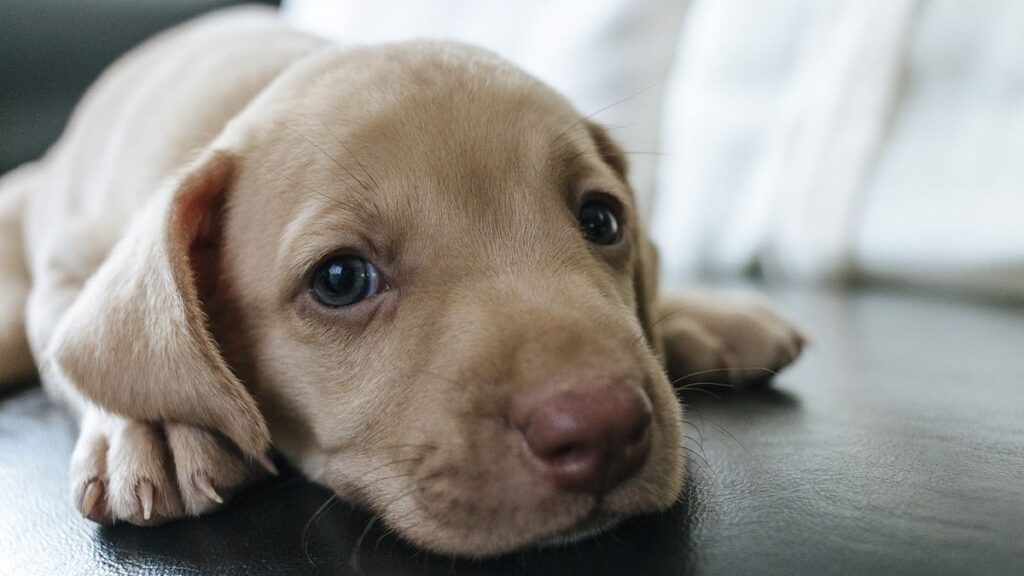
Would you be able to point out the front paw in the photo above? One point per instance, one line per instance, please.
(145, 474)
(723, 339)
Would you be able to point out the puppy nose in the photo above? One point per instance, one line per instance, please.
(588, 440)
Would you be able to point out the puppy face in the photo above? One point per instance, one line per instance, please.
(422, 249)
(425, 271)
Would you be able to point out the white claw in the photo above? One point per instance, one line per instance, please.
(203, 483)
(145, 493)
(92, 495)
(268, 464)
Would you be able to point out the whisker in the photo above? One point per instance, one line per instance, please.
(392, 463)
(333, 159)
(331, 500)
(723, 430)
(603, 108)
(647, 153)
(710, 370)
(699, 445)
(359, 163)
(349, 151)
(666, 316)
(694, 426)
(701, 459)
(387, 529)
(357, 547)
(393, 477)
(695, 384)
(702, 391)
(330, 199)
(409, 445)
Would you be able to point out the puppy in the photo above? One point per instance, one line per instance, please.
(413, 270)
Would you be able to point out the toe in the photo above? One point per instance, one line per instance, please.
(141, 487)
(89, 471)
(92, 502)
(208, 468)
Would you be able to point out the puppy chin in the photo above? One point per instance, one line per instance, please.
(590, 527)
(554, 526)
(476, 542)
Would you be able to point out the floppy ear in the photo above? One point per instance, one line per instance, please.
(136, 341)
(645, 285)
(645, 262)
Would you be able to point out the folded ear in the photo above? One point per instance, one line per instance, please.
(645, 285)
(136, 340)
(645, 262)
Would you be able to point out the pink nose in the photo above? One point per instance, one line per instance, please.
(587, 440)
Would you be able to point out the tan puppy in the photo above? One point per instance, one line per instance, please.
(413, 269)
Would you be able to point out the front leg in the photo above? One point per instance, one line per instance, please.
(723, 339)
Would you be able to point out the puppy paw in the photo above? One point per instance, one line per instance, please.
(723, 339)
(128, 471)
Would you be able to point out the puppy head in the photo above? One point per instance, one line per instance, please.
(428, 270)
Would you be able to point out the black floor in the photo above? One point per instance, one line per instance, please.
(895, 446)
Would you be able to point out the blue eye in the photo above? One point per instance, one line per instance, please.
(345, 280)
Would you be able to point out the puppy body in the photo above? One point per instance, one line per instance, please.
(157, 262)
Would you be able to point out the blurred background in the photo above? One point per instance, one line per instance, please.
(812, 141)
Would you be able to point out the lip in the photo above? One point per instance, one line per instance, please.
(591, 525)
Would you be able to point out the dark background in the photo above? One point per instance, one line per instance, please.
(52, 50)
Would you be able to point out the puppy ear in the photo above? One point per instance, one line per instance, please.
(645, 266)
(136, 341)
(645, 285)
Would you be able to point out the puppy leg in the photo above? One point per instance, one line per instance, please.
(715, 338)
(124, 469)
(144, 474)
(15, 359)
(137, 472)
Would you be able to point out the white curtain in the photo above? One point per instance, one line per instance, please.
(830, 139)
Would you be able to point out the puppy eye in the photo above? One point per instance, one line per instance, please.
(345, 280)
(599, 224)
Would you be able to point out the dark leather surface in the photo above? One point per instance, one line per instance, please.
(52, 50)
(896, 446)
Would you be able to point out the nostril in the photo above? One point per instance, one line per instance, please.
(565, 452)
(639, 434)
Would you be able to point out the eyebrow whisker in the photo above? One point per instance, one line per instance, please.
(320, 149)
(330, 199)
(603, 108)
(352, 155)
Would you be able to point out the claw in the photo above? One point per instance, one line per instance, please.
(145, 494)
(267, 464)
(204, 486)
(92, 495)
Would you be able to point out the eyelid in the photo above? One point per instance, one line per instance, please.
(620, 208)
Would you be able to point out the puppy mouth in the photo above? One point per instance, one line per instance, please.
(562, 521)
(595, 523)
